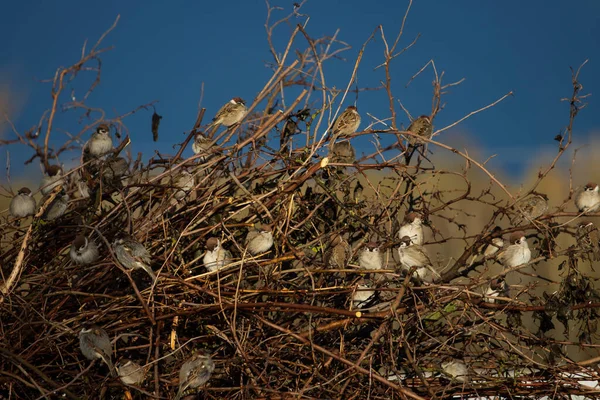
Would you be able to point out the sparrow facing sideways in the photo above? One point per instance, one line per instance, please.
(370, 257)
(231, 113)
(194, 373)
(52, 179)
(493, 244)
(22, 204)
(342, 153)
(130, 373)
(83, 250)
(57, 207)
(133, 255)
(517, 253)
(588, 198)
(338, 254)
(533, 206)
(100, 142)
(422, 127)
(413, 255)
(346, 123)
(95, 344)
(413, 228)
(259, 241)
(496, 288)
(216, 257)
(589, 238)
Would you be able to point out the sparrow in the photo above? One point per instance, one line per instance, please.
(194, 373)
(52, 179)
(184, 182)
(259, 241)
(342, 153)
(83, 250)
(457, 370)
(346, 123)
(95, 343)
(533, 206)
(339, 253)
(422, 127)
(588, 198)
(231, 113)
(589, 238)
(133, 255)
(23, 204)
(100, 143)
(494, 243)
(201, 145)
(496, 288)
(413, 255)
(370, 257)
(130, 373)
(216, 257)
(57, 207)
(413, 228)
(517, 253)
(362, 294)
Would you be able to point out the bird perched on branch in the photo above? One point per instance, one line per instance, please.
(339, 253)
(370, 257)
(532, 207)
(413, 255)
(587, 199)
(421, 127)
(195, 372)
(491, 247)
(201, 145)
(130, 373)
(346, 123)
(260, 240)
(184, 182)
(52, 179)
(22, 204)
(100, 142)
(342, 153)
(517, 253)
(83, 250)
(231, 113)
(496, 288)
(95, 344)
(589, 238)
(362, 294)
(133, 255)
(413, 228)
(57, 207)
(216, 257)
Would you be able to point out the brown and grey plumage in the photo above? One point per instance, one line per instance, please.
(130, 373)
(52, 179)
(339, 253)
(22, 204)
(260, 240)
(532, 207)
(231, 113)
(195, 372)
(413, 255)
(517, 252)
(57, 207)
(587, 199)
(133, 255)
(421, 127)
(342, 153)
(95, 344)
(346, 123)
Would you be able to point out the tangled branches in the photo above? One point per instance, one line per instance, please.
(300, 268)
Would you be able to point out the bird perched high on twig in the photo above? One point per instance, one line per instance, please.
(195, 372)
(95, 344)
(531, 207)
(413, 255)
(22, 204)
(259, 240)
(83, 250)
(587, 199)
(100, 142)
(201, 145)
(231, 113)
(133, 255)
(413, 228)
(517, 252)
(216, 257)
(52, 179)
(421, 127)
(338, 254)
(346, 123)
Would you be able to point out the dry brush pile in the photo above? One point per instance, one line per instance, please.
(356, 296)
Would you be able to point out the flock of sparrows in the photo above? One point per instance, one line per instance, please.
(132, 255)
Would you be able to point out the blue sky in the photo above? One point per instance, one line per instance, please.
(165, 51)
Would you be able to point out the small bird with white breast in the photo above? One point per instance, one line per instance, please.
(216, 257)
(22, 204)
(130, 372)
(413, 228)
(83, 250)
(259, 240)
(517, 253)
(362, 294)
(95, 344)
(201, 145)
(370, 257)
(133, 255)
(195, 372)
(52, 179)
(231, 113)
(100, 142)
(587, 199)
(413, 255)
(496, 288)
(347, 123)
